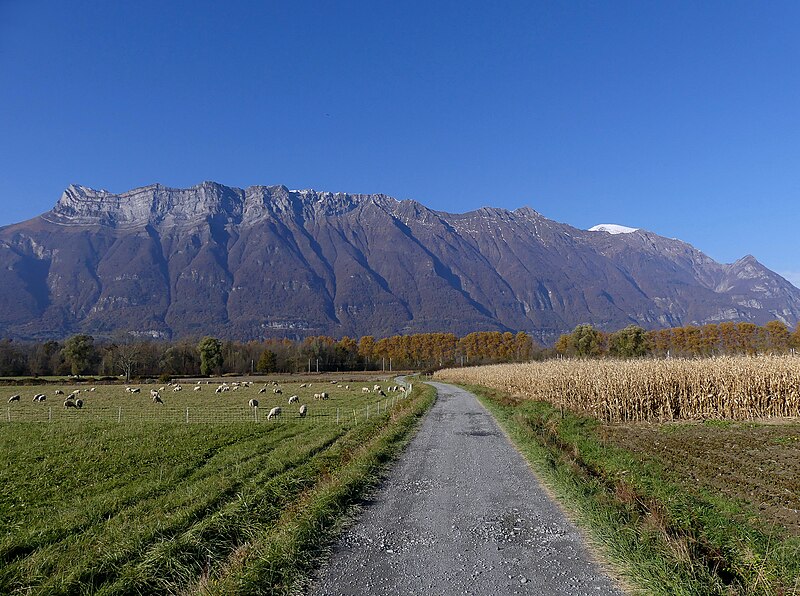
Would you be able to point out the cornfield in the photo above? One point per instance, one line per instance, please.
(729, 387)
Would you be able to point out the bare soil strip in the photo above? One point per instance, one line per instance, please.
(461, 513)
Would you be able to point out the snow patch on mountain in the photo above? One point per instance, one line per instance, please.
(612, 229)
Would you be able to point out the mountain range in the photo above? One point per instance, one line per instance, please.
(267, 261)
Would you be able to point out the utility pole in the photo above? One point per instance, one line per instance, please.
(309, 366)
(317, 364)
(383, 366)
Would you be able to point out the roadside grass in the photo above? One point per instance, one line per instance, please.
(665, 531)
(161, 507)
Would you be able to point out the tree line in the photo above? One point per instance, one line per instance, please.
(705, 340)
(124, 356)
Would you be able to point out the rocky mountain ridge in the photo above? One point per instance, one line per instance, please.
(269, 261)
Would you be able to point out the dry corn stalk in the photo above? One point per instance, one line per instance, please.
(728, 387)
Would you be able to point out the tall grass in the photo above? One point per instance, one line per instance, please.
(730, 387)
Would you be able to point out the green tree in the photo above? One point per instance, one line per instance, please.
(80, 353)
(210, 349)
(587, 341)
(630, 342)
(268, 362)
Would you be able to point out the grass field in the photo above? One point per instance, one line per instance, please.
(152, 504)
(679, 508)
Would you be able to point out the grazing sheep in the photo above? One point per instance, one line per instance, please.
(136, 390)
(76, 392)
(59, 392)
(39, 397)
(277, 391)
(274, 413)
(92, 389)
(303, 410)
(177, 388)
(381, 393)
(293, 399)
(197, 388)
(365, 390)
(376, 388)
(160, 389)
(15, 398)
(253, 403)
(157, 399)
(347, 387)
(302, 385)
(79, 403)
(262, 390)
(68, 403)
(322, 395)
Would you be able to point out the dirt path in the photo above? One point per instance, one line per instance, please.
(461, 513)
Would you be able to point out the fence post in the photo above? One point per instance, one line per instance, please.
(187, 415)
(255, 409)
(119, 415)
(337, 415)
(50, 414)
(367, 411)
(355, 418)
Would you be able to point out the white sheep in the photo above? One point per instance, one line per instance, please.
(376, 387)
(293, 399)
(365, 390)
(79, 403)
(197, 388)
(262, 390)
(153, 393)
(157, 399)
(274, 413)
(40, 397)
(59, 392)
(68, 403)
(15, 398)
(253, 403)
(277, 391)
(303, 410)
(177, 388)
(135, 390)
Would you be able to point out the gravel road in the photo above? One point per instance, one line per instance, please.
(461, 513)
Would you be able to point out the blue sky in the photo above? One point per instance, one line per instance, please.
(679, 117)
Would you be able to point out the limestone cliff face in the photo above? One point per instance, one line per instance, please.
(269, 261)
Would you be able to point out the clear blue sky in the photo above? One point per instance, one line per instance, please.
(679, 117)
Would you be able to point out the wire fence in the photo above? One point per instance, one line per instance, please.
(219, 413)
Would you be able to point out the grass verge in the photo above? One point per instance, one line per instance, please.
(280, 561)
(662, 535)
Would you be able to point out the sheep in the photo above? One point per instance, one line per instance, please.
(347, 387)
(135, 390)
(79, 403)
(303, 410)
(40, 397)
(365, 390)
(197, 388)
(322, 395)
(59, 392)
(157, 399)
(91, 389)
(76, 392)
(302, 385)
(68, 403)
(381, 393)
(376, 387)
(253, 403)
(14, 398)
(277, 391)
(262, 390)
(293, 399)
(177, 388)
(160, 389)
(274, 413)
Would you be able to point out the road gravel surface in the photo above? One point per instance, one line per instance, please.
(461, 513)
